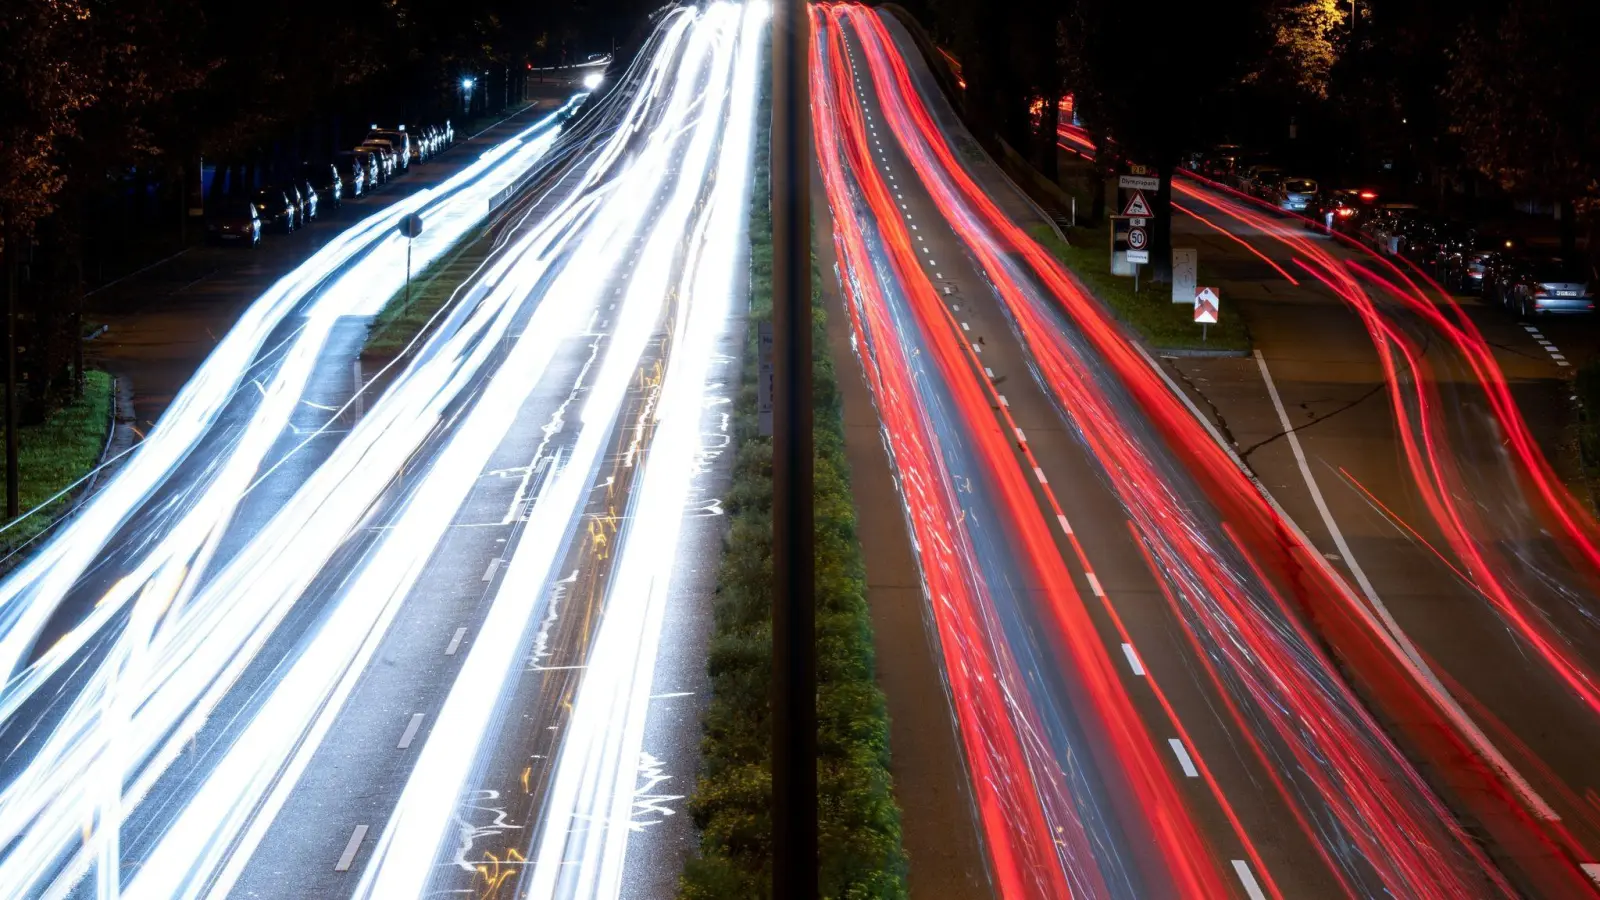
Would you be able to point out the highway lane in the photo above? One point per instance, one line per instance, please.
(215, 696)
(1254, 627)
(1501, 604)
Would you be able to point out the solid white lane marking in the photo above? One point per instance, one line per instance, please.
(1039, 474)
(1491, 753)
(455, 641)
(1065, 525)
(1094, 584)
(1184, 761)
(1248, 879)
(351, 849)
(1133, 659)
(411, 731)
(488, 574)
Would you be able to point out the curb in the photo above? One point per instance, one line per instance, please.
(1196, 353)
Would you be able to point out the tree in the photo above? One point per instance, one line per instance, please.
(1521, 96)
(1162, 84)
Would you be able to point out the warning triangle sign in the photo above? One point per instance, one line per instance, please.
(1137, 206)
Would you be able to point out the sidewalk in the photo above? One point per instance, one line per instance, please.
(163, 322)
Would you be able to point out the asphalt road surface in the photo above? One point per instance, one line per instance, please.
(1161, 685)
(416, 642)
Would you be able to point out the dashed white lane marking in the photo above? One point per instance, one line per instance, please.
(914, 228)
(988, 371)
(1248, 879)
(1065, 525)
(1039, 474)
(937, 275)
(488, 574)
(1021, 438)
(1133, 659)
(1004, 401)
(410, 733)
(1184, 761)
(1592, 870)
(977, 348)
(1094, 584)
(455, 641)
(964, 327)
(351, 849)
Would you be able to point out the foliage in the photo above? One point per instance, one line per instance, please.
(1521, 96)
(1304, 46)
(1164, 325)
(57, 453)
(859, 835)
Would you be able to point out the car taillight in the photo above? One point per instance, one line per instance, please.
(1368, 195)
(1347, 211)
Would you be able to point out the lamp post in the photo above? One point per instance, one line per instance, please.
(794, 652)
(466, 98)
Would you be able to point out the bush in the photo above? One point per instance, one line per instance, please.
(859, 840)
(55, 454)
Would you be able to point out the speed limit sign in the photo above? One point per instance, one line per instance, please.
(1138, 238)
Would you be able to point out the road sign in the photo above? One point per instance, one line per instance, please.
(1138, 239)
(411, 225)
(1207, 304)
(1138, 223)
(1185, 268)
(1139, 256)
(1137, 206)
(1139, 182)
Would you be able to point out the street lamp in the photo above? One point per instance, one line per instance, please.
(592, 80)
(466, 97)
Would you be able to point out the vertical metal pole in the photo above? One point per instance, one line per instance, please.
(13, 470)
(794, 667)
(407, 307)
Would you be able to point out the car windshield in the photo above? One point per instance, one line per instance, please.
(1300, 186)
(267, 198)
(237, 211)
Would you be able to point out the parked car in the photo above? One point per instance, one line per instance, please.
(1478, 259)
(1341, 209)
(302, 204)
(1383, 229)
(275, 209)
(399, 142)
(325, 179)
(235, 223)
(1539, 285)
(310, 200)
(1296, 194)
(377, 172)
(352, 172)
(1260, 180)
(386, 154)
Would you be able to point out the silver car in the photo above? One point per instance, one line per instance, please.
(1550, 285)
(1297, 194)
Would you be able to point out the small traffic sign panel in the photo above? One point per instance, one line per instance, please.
(1137, 206)
(1138, 238)
(1139, 256)
(1207, 304)
(1142, 182)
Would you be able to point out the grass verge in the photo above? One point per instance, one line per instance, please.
(861, 854)
(398, 322)
(56, 453)
(1163, 324)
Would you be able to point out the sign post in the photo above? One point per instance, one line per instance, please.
(1207, 306)
(410, 227)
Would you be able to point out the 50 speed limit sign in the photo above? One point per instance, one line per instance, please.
(1138, 238)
